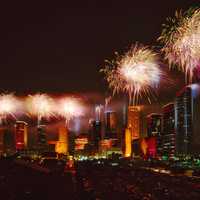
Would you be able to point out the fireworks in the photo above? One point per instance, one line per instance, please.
(8, 105)
(40, 105)
(136, 73)
(181, 39)
(69, 108)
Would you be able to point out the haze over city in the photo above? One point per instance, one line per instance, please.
(100, 100)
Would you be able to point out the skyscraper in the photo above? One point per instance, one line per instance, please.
(95, 129)
(187, 118)
(154, 124)
(154, 121)
(128, 145)
(110, 125)
(62, 143)
(21, 135)
(168, 130)
(134, 121)
(41, 138)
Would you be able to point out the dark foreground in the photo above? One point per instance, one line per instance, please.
(93, 180)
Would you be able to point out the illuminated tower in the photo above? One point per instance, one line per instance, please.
(62, 143)
(134, 121)
(187, 118)
(128, 144)
(21, 135)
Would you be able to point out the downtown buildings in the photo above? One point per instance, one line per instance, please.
(174, 132)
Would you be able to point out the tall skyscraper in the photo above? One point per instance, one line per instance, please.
(41, 138)
(62, 143)
(21, 135)
(134, 121)
(168, 130)
(95, 131)
(110, 125)
(187, 118)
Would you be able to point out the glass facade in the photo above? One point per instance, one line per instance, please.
(168, 130)
(187, 118)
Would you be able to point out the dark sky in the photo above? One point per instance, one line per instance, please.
(60, 47)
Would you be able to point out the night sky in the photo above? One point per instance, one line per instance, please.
(57, 47)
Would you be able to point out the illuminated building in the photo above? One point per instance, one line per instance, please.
(187, 118)
(154, 130)
(21, 135)
(134, 121)
(168, 131)
(81, 142)
(98, 112)
(62, 143)
(128, 140)
(105, 144)
(111, 125)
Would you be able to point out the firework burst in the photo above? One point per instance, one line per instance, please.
(181, 40)
(9, 105)
(69, 108)
(40, 105)
(136, 73)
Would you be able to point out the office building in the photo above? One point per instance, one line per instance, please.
(133, 123)
(128, 143)
(21, 135)
(187, 118)
(168, 130)
(62, 143)
(110, 125)
(154, 124)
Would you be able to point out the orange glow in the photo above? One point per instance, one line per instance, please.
(80, 143)
(144, 147)
(128, 143)
(134, 121)
(106, 144)
(61, 147)
(62, 144)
